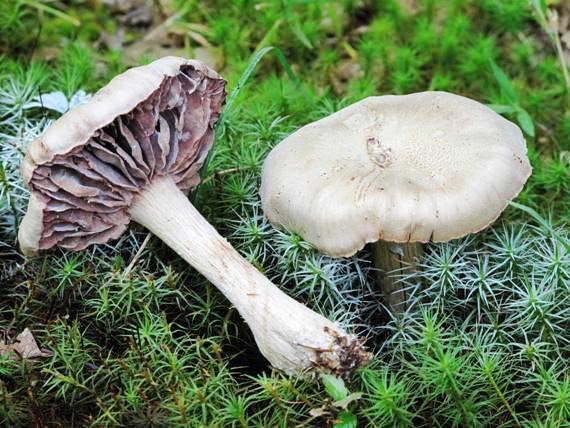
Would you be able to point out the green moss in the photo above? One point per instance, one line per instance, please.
(487, 343)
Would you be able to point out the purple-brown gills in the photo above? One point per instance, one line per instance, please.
(87, 191)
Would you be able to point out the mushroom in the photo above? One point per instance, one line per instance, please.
(398, 171)
(133, 152)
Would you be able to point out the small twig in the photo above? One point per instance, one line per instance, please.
(223, 172)
(548, 20)
(160, 8)
(137, 256)
(162, 26)
(562, 59)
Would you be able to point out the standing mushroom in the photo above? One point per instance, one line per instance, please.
(400, 170)
(133, 152)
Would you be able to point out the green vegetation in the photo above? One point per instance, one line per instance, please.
(139, 339)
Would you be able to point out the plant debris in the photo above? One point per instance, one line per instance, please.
(25, 346)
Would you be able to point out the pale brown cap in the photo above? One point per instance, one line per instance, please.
(430, 166)
(85, 170)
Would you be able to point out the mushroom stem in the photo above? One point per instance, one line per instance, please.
(292, 337)
(392, 259)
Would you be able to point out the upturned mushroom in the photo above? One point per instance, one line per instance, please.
(396, 170)
(133, 152)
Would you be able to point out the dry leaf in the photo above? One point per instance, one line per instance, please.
(167, 39)
(346, 71)
(24, 346)
(319, 412)
(132, 13)
(409, 6)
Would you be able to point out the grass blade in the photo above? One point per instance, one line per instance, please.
(505, 84)
(256, 58)
(542, 222)
(53, 11)
(526, 123)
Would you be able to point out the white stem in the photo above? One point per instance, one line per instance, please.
(291, 336)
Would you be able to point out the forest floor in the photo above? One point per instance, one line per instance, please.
(128, 335)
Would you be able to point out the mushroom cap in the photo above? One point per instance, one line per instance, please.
(87, 168)
(429, 166)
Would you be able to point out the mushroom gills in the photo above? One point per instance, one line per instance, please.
(100, 178)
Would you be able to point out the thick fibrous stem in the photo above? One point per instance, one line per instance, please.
(392, 259)
(289, 335)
